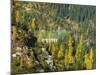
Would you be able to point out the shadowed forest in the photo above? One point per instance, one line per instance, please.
(51, 37)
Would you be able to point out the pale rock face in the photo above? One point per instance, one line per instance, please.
(37, 62)
(19, 53)
(18, 49)
(45, 52)
(87, 41)
(41, 70)
(14, 55)
(59, 28)
(43, 49)
(50, 61)
(26, 8)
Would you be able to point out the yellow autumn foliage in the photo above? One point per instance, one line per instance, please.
(78, 55)
(30, 63)
(33, 26)
(14, 35)
(69, 59)
(17, 15)
(49, 34)
(53, 50)
(61, 52)
(89, 59)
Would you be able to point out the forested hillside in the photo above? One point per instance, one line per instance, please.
(49, 37)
